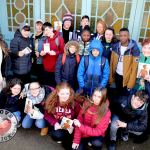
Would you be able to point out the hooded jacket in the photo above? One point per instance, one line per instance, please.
(67, 72)
(49, 61)
(21, 65)
(130, 63)
(94, 76)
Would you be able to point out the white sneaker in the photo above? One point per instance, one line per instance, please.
(89, 144)
(59, 142)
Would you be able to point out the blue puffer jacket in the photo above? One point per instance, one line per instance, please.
(94, 76)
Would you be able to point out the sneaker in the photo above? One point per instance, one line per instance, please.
(112, 145)
(125, 137)
(44, 131)
(59, 142)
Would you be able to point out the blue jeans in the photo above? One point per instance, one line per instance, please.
(96, 142)
(28, 122)
(114, 128)
(18, 115)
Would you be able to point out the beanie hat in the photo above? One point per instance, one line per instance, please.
(23, 25)
(70, 43)
(67, 16)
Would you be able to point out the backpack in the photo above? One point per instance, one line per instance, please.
(64, 58)
(86, 62)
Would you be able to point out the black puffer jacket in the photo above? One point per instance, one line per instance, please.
(136, 119)
(21, 65)
(66, 72)
(8, 102)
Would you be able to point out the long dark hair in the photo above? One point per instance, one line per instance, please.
(114, 39)
(3, 46)
(102, 108)
(10, 84)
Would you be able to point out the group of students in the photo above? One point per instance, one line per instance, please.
(82, 63)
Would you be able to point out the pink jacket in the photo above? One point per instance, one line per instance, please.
(87, 128)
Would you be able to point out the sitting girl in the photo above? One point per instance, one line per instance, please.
(92, 122)
(9, 97)
(59, 104)
(35, 99)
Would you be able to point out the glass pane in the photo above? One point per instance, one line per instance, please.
(14, 10)
(8, 10)
(148, 33)
(78, 19)
(25, 11)
(53, 19)
(147, 6)
(47, 6)
(93, 7)
(128, 10)
(14, 23)
(102, 7)
(9, 22)
(110, 17)
(47, 18)
(142, 32)
(149, 22)
(144, 22)
(141, 40)
(70, 5)
(31, 11)
(92, 24)
(79, 6)
(117, 26)
(126, 23)
(54, 5)
(118, 8)
(61, 12)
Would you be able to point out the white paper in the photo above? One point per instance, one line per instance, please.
(46, 47)
(28, 104)
(27, 50)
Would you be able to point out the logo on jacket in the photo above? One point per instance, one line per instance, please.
(8, 125)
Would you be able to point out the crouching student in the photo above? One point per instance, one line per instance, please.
(59, 104)
(92, 122)
(67, 65)
(9, 97)
(35, 95)
(130, 116)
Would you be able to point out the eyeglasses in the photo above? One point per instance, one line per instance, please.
(35, 89)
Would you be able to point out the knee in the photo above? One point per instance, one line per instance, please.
(40, 123)
(97, 143)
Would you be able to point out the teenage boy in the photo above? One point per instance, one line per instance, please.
(85, 21)
(124, 63)
(130, 116)
(52, 47)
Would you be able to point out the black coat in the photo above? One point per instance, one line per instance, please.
(9, 103)
(136, 119)
(21, 65)
(66, 72)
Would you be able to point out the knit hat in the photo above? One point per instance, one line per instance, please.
(23, 25)
(68, 44)
(67, 16)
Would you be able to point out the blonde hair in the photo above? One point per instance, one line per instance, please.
(103, 23)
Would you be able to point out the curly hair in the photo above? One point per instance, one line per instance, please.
(53, 99)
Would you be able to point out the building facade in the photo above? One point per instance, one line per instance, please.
(134, 14)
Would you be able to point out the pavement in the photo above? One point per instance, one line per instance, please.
(30, 139)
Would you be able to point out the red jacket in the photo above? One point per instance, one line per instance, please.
(49, 61)
(88, 127)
